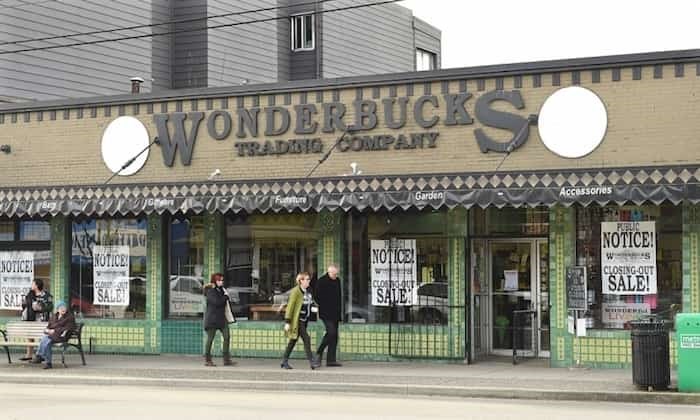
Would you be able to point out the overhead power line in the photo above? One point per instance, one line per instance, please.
(154, 25)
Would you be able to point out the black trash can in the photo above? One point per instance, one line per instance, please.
(651, 367)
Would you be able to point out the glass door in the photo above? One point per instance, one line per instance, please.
(513, 279)
(480, 307)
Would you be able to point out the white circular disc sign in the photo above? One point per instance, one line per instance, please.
(572, 122)
(123, 139)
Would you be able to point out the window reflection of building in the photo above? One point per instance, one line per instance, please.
(264, 253)
(186, 266)
(86, 234)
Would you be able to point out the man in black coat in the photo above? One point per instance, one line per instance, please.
(328, 296)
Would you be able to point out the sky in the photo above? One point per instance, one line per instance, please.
(510, 31)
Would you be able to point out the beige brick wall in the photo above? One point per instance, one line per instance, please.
(651, 122)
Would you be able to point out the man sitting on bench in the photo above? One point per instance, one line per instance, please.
(58, 331)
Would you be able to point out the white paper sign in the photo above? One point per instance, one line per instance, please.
(628, 258)
(580, 327)
(571, 324)
(16, 275)
(511, 277)
(616, 314)
(111, 275)
(394, 276)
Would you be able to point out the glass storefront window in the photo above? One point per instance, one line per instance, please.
(31, 230)
(509, 221)
(264, 253)
(429, 230)
(88, 233)
(615, 311)
(40, 246)
(185, 281)
(7, 231)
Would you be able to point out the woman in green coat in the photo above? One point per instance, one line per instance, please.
(296, 319)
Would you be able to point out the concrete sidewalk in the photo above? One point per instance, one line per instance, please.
(498, 378)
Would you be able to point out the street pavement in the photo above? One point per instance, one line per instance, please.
(135, 402)
(495, 378)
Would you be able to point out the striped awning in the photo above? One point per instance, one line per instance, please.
(526, 188)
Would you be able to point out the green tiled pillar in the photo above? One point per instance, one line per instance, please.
(330, 244)
(691, 258)
(61, 246)
(214, 234)
(156, 282)
(457, 233)
(562, 253)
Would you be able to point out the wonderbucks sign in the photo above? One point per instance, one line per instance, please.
(363, 125)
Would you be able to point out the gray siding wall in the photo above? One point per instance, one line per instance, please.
(161, 61)
(304, 64)
(190, 48)
(246, 52)
(428, 38)
(89, 70)
(372, 40)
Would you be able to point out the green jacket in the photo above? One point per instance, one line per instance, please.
(291, 315)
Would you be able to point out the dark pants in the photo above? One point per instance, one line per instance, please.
(304, 337)
(330, 340)
(210, 339)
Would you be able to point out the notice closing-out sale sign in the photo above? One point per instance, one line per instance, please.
(16, 275)
(111, 275)
(394, 278)
(628, 258)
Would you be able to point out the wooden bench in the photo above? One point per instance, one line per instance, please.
(29, 333)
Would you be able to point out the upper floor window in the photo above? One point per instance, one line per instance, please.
(303, 33)
(425, 60)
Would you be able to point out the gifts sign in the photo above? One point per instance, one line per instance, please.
(628, 258)
(394, 277)
(111, 275)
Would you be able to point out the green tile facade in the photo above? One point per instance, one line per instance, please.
(380, 342)
(562, 251)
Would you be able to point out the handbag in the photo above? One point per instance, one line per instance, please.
(25, 314)
(230, 318)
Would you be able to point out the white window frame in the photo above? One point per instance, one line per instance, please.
(300, 19)
(421, 55)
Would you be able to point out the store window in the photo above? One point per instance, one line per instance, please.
(303, 37)
(14, 239)
(428, 229)
(185, 280)
(614, 311)
(100, 249)
(264, 253)
(509, 222)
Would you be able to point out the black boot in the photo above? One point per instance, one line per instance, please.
(227, 360)
(285, 365)
(208, 361)
(315, 362)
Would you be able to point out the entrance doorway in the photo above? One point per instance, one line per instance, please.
(510, 297)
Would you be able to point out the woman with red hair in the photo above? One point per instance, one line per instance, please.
(215, 317)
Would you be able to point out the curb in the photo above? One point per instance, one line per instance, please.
(365, 388)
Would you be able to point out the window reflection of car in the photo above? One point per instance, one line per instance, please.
(186, 294)
(432, 304)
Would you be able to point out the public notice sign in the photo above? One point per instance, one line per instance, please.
(16, 275)
(628, 258)
(111, 275)
(394, 272)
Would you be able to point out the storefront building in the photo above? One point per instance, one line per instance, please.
(450, 178)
